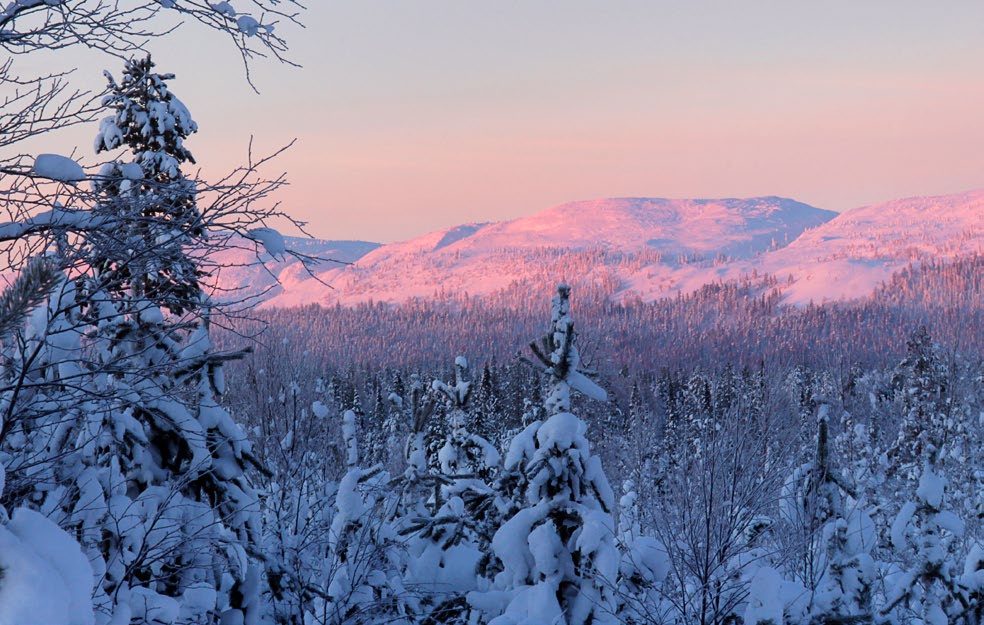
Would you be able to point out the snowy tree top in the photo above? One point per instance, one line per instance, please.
(148, 119)
(559, 357)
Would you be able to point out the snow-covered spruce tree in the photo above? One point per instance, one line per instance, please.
(361, 583)
(146, 262)
(419, 489)
(831, 538)
(558, 552)
(142, 463)
(485, 408)
(446, 546)
(921, 385)
(928, 590)
(464, 453)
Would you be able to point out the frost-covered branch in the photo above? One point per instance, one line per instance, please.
(122, 29)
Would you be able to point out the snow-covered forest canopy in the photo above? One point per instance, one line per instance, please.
(166, 458)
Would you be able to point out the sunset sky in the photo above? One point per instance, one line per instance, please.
(416, 115)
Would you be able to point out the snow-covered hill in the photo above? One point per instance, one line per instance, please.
(592, 239)
(640, 247)
(244, 270)
(852, 254)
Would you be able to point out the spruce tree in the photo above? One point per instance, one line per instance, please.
(921, 386)
(834, 542)
(923, 534)
(361, 582)
(143, 464)
(146, 259)
(446, 543)
(558, 551)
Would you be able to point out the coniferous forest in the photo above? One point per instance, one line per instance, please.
(762, 463)
(536, 456)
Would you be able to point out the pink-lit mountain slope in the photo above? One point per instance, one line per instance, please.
(650, 248)
(244, 270)
(600, 240)
(852, 254)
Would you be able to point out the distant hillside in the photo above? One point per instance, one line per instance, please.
(604, 241)
(852, 254)
(244, 270)
(636, 249)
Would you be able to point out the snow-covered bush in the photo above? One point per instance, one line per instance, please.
(44, 576)
(721, 468)
(643, 568)
(360, 581)
(924, 531)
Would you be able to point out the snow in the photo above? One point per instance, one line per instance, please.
(319, 410)
(248, 25)
(198, 599)
(522, 445)
(547, 550)
(58, 217)
(224, 8)
(581, 383)
(58, 167)
(931, 488)
(827, 256)
(348, 435)
(561, 431)
(272, 241)
(131, 171)
(147, 605)
(901, 523)
(45, 578)
(950, 522)
(110, 135)
(973, 575)
(770, 598)
(651, 556)
(534, 605)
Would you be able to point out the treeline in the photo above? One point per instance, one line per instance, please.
(743, 322)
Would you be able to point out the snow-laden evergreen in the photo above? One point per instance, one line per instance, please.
(447, 542)
(924, 532)
(361, 581)
(125, 440)
(560, 561)
(828, 574)
(148, 196)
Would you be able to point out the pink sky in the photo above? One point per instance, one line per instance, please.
(414, 116)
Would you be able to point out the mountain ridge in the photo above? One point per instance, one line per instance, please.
(650, 248)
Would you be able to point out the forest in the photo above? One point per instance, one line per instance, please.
(772, 465)
(539, 456)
